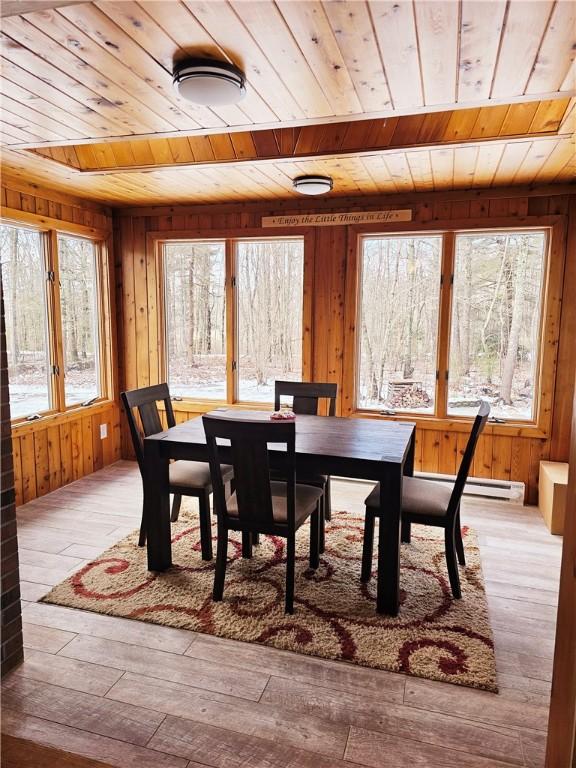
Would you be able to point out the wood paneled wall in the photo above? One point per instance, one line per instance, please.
(500, 456)
(59, 449)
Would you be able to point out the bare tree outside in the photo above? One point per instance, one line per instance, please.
(195, 312)
(269, 279)
(496, 318)
(398, 322)
(80, 318)
(24, 283)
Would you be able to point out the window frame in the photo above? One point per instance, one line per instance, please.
(49, 229)
(555, 229)
(230, 238)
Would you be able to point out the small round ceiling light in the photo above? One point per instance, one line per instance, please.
(209, 82)
(313, 185)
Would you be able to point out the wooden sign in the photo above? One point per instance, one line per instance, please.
(334, 219)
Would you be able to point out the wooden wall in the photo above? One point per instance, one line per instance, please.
(59, 449)
(499, 456)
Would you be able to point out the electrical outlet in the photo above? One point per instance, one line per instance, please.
(103, 431)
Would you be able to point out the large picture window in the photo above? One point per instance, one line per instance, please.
(496, 318)
(233, 316)
(195, 308)
(24, 276)
(447, 320)
(399, 299)
(79, 296)
(53, 300)
(269, 288)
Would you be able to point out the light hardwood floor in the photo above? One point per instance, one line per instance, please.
(135, 695)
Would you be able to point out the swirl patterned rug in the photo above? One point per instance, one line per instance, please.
(434, 636)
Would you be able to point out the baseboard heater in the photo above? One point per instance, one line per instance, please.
(503, 490)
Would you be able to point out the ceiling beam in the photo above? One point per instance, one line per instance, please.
(379, 115)
(18, 7)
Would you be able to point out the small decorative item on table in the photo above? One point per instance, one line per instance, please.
(284, 414)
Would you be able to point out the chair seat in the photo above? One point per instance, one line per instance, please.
(423, 498)
(306, 498)
(194, 474)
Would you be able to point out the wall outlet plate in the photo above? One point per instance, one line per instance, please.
(103, 431)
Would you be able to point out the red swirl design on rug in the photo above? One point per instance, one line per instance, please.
(433, 636)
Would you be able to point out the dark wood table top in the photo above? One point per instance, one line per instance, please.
(342, 441)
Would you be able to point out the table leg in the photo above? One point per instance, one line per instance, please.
(387, 596)
(409, 463)
(157, 508)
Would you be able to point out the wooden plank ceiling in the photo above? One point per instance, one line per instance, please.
(383, 96)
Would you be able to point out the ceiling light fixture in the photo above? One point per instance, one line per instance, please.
(209, 82)
(313, 185)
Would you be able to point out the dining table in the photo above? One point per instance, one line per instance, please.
(358, 448)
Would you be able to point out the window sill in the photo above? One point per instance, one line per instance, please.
(61, 417)
(189, 405)
(509, 429)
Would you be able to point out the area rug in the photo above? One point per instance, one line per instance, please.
(433, 636)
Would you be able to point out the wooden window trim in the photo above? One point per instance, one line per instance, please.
(50, 228)
(155, 240)
(541, 426)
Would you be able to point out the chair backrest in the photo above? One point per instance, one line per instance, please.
(249, 442)
(145, 401)
(466, 463)
(306, 396)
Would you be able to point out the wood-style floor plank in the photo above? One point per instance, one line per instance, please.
(403, 721)
(19, 753)
(514, 710)
(96, 714)
(109, 627)
(76, 741)
(68, 673)
(42, 638)
(284, 725)
(207, 675)
(339, 676)
(378, 749)
(222, 748)
(132, 694)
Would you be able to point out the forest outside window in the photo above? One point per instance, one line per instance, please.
(195, 311)
(53, 305)
(269, 283)
(233, 316)
(496, 320)
(77, 258)
(24, 267)
(398, 329)
(438, 347)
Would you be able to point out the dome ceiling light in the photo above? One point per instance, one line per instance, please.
(209, 82)
(313, 185)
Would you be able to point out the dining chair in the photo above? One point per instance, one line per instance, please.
(187, 478)
(260, 505)
(306, 398)
(428, 503)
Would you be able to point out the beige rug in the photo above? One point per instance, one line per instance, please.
(433, 636)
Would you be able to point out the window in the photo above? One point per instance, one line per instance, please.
(269, 280)
(496, 318)
(80, 318)
(248, 290)
(195, 309)
(439, 346)
(398, 329)
(24, 282)
(53, 296)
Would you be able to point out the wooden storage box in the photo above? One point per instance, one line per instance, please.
(552, 494)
